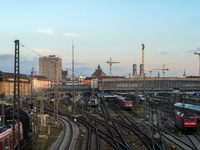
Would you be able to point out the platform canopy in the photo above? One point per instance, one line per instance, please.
(108, 95)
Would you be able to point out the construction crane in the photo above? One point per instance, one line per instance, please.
(163, 70)
(111, 62)
(199, 61)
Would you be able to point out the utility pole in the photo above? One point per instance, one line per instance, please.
(16, 94)
(73, 97)
(33, 113)
(41, 114)
(55, 96)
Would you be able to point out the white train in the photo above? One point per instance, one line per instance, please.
(93, 101)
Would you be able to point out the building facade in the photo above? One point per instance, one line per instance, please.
(42, 83)
(7, 84)
(78, 80)
(51, 67)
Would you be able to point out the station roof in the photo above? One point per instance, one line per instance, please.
(108, 95)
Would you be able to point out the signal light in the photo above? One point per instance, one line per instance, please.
(31, 105)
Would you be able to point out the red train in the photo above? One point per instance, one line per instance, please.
(123, 102)
(186, 121)
(6, 137)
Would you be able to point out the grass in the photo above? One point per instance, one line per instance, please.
(52, 137)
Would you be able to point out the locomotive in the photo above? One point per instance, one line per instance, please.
(189, 108)
(123, 102)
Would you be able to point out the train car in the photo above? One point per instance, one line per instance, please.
(188, 108)
(6, 137)
(141, 97)
(187, 122)
(93, 101)
(123, 102)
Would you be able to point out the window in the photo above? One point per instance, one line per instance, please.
(188, 117)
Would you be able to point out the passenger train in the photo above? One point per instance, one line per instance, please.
(189, 108)
(123, 102)
(6, 137)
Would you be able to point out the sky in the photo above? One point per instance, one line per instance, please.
(170, 31)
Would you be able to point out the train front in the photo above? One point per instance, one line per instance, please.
(189, 122)
(128, 104)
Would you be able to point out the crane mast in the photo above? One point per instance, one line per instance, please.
(111, 62)
(163, 70)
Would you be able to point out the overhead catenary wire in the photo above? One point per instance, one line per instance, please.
(125, 70)
(185, 67)
(42, 55)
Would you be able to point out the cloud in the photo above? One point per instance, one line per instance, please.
(192, 51)
(70, 34)
(46, 31)
(25, 65)
(46, 52)
(6, 57)
(164, 53)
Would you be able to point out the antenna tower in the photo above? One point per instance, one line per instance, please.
(73, 66)
(143, 60)
(55, 97)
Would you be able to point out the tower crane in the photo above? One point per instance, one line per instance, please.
(111, 62)
(163, 70)
(199, 61)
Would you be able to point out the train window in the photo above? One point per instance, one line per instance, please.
(187, 118)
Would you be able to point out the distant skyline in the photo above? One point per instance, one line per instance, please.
(170, 31)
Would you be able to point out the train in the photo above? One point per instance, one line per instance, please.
(6, 137)
(187, 122)
(189, 108)
(93, 101)
(123, 102)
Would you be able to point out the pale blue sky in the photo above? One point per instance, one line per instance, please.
(170, 31)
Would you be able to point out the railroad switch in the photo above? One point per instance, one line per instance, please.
(82, 135)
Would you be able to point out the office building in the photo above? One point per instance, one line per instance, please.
(51, 67)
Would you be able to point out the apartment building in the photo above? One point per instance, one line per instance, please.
(51, 67)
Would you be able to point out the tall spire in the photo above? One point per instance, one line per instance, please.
(184, 74)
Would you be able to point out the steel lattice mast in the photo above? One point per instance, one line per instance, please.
(143, 60)
(199, 61)
(16, 94)
(73, 66)
(55, 97)
(41, 114)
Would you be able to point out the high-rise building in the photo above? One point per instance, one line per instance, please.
(134, 70)
(48, 65)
